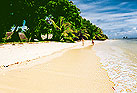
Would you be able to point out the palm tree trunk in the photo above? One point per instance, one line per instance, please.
(47, 35)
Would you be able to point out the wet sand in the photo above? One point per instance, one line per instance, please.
(76, 71)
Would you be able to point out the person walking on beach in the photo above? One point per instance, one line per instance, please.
(92, 42)
(82, 41)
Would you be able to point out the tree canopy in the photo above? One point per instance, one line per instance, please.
(61, 18)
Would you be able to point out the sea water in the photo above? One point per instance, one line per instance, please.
(119, 58)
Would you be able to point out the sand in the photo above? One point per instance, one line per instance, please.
(76, 71)
(10, 54)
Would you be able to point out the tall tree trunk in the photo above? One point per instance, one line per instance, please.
(39, 37)
(32, 34)
(47, 35)
(32, 37)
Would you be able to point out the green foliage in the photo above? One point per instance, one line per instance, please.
(63, 32)
(93, 31)
(66, 24)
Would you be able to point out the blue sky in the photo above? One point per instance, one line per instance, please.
(117, 18)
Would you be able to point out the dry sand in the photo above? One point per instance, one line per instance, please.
(76, 71)
(10, 54)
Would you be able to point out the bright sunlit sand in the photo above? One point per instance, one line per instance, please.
(10, 54)
(76, 71)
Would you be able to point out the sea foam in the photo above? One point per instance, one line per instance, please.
(117, 60)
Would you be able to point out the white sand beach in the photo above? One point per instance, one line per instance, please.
(78, 70)
(10, 54)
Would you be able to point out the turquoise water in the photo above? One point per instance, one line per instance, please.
(119, 58)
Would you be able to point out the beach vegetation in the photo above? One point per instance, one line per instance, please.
(59, 18)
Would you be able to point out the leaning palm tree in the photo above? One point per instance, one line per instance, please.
(63, 32)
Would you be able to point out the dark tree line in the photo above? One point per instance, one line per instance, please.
(61, 18)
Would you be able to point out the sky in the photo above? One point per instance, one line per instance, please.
(117, 18)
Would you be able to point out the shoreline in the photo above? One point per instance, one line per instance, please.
(22, 71)
(118, 58)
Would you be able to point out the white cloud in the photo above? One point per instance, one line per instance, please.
(85, 6)
(134, 28)
(114, 23)
(123, 3)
